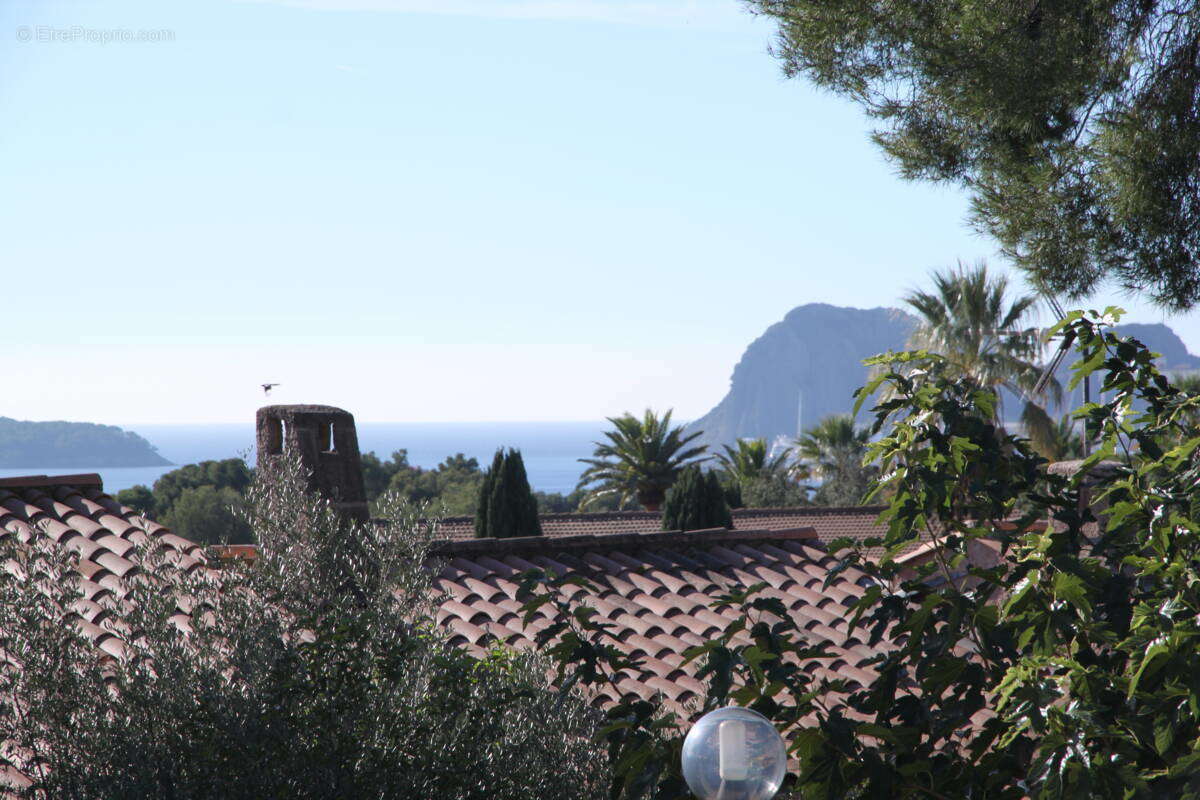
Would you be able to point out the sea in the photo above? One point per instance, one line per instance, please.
(551, 450)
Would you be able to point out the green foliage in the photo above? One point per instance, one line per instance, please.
(559, 503)
(750, 460)
(378, 474)
(451, 487)
(209, 515)
(317, 672)
(755, 662)
(1067, 670)
(970, 321)
(483, 504)
(506, 506)
(696, 501)
(641, 739)
(733, 494)
(778, 491)
(1189, 383)
(1075, 126)
(138, 497)
(836, 451)
(1064, 442)
(229, 473)
(197, 501)
(640, 460)
(754, 480)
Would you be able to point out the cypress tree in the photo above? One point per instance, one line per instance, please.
(680, 501)
(696, 501)
(507, 506)
(521, 497)
(733, 494)
(482, 524)
(718, 507)
(500, 516)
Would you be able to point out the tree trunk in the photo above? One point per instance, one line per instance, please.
(651, 499)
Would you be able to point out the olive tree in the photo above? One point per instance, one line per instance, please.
(316, 672)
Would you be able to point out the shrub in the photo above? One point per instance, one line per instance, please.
(209, 515)
(773, 491)
(318, 672)
(559, 503)
(229, 473)
(198, 501)
(138, 497)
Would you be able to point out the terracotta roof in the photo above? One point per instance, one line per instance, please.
(830, 523)
(656, 589)
(856, 522)
(601, 522)
(74, 512)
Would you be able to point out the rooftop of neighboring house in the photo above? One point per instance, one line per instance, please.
(656, 589)
(655, 586)
(828, 523)
(74, 512)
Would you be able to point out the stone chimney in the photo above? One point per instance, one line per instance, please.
(326, 443)
(1100, 472)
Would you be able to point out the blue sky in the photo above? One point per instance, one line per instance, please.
(423, 210)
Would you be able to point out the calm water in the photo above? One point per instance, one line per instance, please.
(550, 449)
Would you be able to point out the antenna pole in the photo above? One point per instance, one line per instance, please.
(1087, 398)
(799, 413)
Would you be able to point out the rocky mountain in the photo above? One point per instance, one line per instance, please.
(1164, 341)
(802, 369)
(73, 444)
(808, 365)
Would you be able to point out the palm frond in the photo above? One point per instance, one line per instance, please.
(640, 459)
(970, 319)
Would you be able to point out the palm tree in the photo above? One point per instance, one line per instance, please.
(640, 460)
(1065, 443)
(969, 320)
(750, 461)
(1186, 382)
(833, 451)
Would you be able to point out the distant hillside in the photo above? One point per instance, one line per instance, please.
(1161, 339)
(39, 445)
(802, 369)
(808, 366)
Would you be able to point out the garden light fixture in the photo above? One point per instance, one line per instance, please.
(734, 754)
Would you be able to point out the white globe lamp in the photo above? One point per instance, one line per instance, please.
(734, 754)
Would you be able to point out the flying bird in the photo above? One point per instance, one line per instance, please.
(267, 387)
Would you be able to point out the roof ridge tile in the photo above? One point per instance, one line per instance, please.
(613, 541)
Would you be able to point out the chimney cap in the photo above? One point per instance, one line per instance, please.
(1098, 472)
(1071, 467)
(288, 412)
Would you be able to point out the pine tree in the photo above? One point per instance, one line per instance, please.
(485, 496)
(696, 501)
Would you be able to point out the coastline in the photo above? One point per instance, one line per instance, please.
(551, 449)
